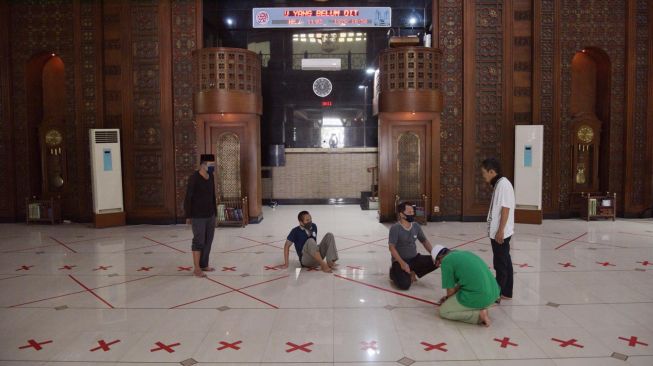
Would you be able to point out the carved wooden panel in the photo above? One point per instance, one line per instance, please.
(522, 62)
(546, 100)
(228, 166)
(228, 69)
(184, 41)
(7, 185)
(484, 96)
(410, 68)
(37, 28)
(90, 106)
(641, 150)
(600, 24)
(408, 166)
(451, 44)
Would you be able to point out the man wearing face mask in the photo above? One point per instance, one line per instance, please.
(310, 254)
(200, 209)
(407, 264)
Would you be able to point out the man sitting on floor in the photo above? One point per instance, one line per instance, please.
(407, 264)
(471, 287)
(310, 254)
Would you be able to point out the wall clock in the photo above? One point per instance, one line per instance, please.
(322, 87)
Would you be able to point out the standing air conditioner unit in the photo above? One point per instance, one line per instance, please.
(106, 172)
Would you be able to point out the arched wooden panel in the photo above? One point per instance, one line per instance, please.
(408, 166)
(228, 176)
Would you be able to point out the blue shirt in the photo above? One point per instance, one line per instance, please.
(298, 236)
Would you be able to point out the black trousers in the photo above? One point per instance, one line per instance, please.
(203, 230)
(421, 265)
(503, 266)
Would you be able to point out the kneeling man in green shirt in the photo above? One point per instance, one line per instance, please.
(471, 287)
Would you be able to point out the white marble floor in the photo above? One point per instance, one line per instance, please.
(72, 295)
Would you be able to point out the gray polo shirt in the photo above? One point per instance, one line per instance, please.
(404, 240)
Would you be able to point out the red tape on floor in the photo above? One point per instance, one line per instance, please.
(226, 345)
(505, 342)
(104, 346)
(164, 347)
(386, 290)
(302, 347)
(571, 342)
(431, 347)
(34, 344)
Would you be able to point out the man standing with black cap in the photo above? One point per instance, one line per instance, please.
(200, 209)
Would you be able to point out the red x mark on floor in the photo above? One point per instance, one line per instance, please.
(272, 268)
(605, 264)
(524, 265)
(505, 342)
(226, 345)
(104, 345)
(571, 342)
(68, 267)
(646, 263)
(372, 345)
(167, 348)
(566, 264)
(311, 269)
(180, 268)
(225, 269)
(302, 347)
(431, 347)
(34, 344)
(360, 268)
(633, 342)
(145, 269)
(104, 268)
(24, 268)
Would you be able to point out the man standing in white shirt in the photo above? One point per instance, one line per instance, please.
(501, 223)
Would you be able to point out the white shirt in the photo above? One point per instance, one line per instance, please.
(503, 196)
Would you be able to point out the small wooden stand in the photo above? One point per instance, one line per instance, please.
(600, 206)
(42, 210)
(233, 212)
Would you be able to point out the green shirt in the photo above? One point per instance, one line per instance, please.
(478, 288)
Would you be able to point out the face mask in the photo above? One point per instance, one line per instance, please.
(211, 169)
(410, 218)
(308, 225)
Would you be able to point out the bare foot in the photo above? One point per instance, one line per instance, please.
(325, 268)
(199, 273)
(208, 269)
(413, 277)
(332, 264)
(505, 298)
(485, 318)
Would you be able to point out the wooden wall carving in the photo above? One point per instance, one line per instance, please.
(520, 50)
(7, 183)
(186, 37)
(151, 192)
(451, 135)
(37, 28)
(599, 24)
(638, 174)
(545, 65)
(483, 84)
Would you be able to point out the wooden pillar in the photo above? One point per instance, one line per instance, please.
(228, 100)
(410, 103)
